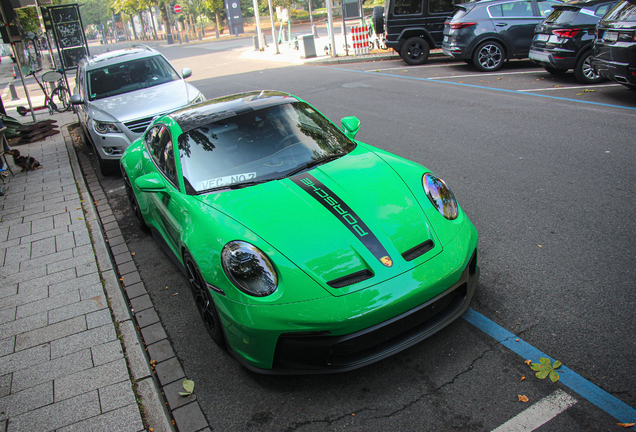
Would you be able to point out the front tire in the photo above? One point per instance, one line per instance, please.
(488, 57)
(204, 301)
(134, 204)
(415, 51)
(584, 72)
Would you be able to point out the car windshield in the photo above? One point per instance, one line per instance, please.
(623, 11)
(256, 146)
(129, 76)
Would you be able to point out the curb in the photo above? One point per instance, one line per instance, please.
(154, 412)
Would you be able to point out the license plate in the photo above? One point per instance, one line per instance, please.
(543, 37)
(446, 39)
(610, 36)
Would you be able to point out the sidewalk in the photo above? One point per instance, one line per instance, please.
(68, 361)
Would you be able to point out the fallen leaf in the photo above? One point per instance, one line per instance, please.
(188, 386)
(523, 398)
(545, 368)
(539, 245)
(528, 362)
(626, 425)
(516, 340)
(523, 377)
(132, 253)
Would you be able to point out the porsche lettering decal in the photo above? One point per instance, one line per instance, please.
(343, 212)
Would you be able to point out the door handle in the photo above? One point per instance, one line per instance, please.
(501, 24)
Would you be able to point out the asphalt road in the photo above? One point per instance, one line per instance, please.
(549, 183)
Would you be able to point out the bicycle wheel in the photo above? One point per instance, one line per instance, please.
(59, 99)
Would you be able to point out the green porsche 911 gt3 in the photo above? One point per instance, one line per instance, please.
(307, 251)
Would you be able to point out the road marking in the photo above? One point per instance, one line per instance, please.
(414, 67)
(538, 414)
(575, 382)
(406, 77)
(571, 87)
(484, 75)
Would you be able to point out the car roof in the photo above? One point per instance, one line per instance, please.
(585, 2)
(118, 56)
(213, 110)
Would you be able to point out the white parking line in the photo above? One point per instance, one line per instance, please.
(414, 67)
(486, 75)
(571, 87)
(538, 414)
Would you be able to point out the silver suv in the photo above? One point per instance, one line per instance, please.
(118, 93)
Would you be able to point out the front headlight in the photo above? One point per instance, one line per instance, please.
(249, 269)
(104, 128)
(440, 196)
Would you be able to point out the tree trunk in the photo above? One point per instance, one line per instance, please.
(218, 26)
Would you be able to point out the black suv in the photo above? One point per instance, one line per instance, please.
(488, 32)
(615, 44)
(564, 39)
(413, 27)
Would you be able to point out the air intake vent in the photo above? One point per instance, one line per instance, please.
(140, 125)
(351, 279)
(418, 250)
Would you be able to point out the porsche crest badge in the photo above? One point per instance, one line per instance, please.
(386, 261)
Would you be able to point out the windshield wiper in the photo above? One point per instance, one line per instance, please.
(313, 163)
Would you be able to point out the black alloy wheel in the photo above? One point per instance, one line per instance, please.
(204, 301)
(415, 51)
(134, 204)
(488, 57)
(584, 72)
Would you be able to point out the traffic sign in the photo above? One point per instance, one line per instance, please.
(177, 8)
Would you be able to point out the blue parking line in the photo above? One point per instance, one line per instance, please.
(486, 88)
(575, 382)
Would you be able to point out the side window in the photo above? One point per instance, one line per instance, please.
(440, 6)
(407, 7)
(545, 6)
(159, 144)
(602, 9)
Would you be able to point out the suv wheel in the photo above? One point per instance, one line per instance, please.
(488, 57)
(377, 18)
(415, 51)
(584, 72)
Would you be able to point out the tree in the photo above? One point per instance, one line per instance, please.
(95, 12)
(217, 7)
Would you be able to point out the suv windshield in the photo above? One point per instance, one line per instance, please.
(257, 146)
(624, 11)
(129, 76)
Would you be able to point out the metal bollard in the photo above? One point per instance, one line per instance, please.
(186, 39)
(314, 30)
(14, 95)
(200, 38)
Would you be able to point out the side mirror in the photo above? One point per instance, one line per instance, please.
(350, 126)
(186, 73)
(76, 99)
(152, 182)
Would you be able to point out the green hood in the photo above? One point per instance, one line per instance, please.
(322, 242)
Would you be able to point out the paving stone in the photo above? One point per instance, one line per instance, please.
(175, 400)
(10, 289)
(17, 254)
(169, 371)
(50, 333)
(42, 247)
(22, 359)
(22, 325)
(83, 340)
(52, 369)
(7, 346)
(107, 352)
(116, 396)
(46, 304)
(141, 303)
(57, 415)
(107, 219)
(126, 268)
(135, 290)
(49, 279)
(85, 269)
(41, 225)
(64, 241)
(74, 285)
(189, 418)
(78, 309)
(111, 226)
(21, 230)
(7, 315)
(137, 361)
(146, 317)
(153, 333)
(160, 351)
(91, 379)
(27, 400)
(98, 318)
(43, 235)
(5, 385)
(81, 238)
(82, 251)
(156, 411)
(125, 419)
(45, 260)
(119, 249)
(69, 263)
(12, 274)
(61, 220)
(117, 240)
(131, 278)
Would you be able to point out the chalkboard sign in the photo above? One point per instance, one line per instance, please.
(69, 34)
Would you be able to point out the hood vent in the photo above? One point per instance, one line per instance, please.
(351, 279)
(418, 250)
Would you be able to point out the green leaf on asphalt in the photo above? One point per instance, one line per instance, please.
(188, 386)
(545, 368)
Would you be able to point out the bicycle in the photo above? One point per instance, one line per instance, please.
(59, 99)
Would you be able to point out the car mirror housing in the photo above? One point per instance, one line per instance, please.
(186, 73)
(350, 126)
(150, 183)
(76, 99)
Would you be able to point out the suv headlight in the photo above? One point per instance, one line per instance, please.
(104, 128)
(440, 196)
(249, 269)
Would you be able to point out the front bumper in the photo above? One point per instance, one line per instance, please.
(337, 334)
(557, 59)
(110, 146)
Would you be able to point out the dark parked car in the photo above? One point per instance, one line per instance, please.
(615, 45)
(488, 32)
(564, 39)
(413, 27)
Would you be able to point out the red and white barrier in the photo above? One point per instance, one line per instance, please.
(360, 37)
